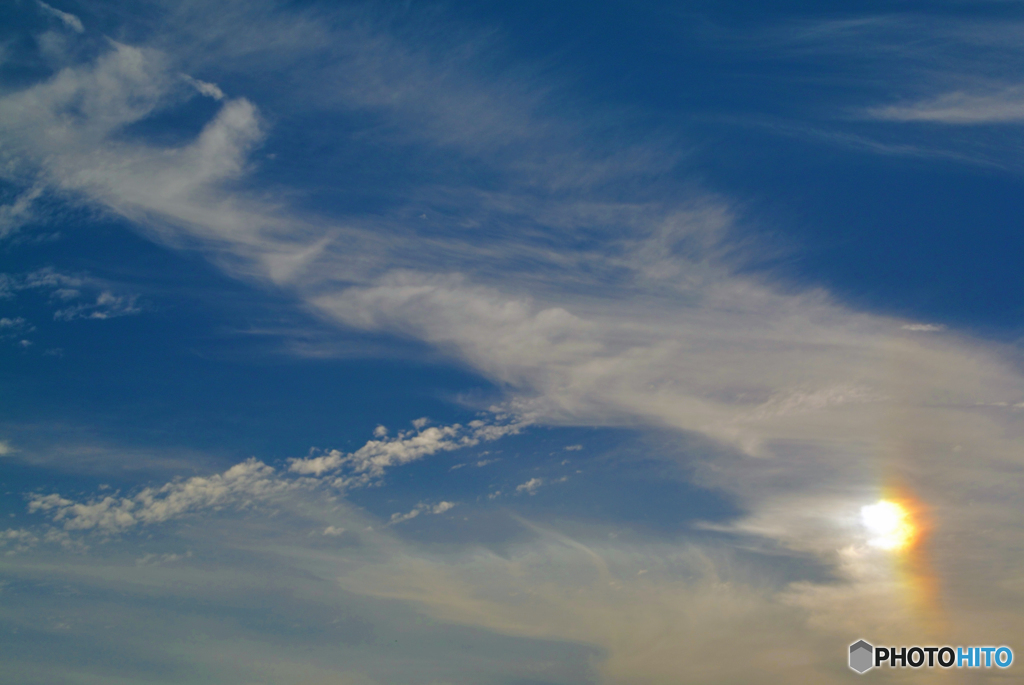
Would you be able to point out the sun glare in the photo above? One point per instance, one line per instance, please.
(889, 525)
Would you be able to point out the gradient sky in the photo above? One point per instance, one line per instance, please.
(522, 343)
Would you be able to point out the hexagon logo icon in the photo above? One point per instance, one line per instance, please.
(861, 656)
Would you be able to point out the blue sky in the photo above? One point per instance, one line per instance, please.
(505, 342)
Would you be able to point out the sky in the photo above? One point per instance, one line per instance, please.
(502, 343)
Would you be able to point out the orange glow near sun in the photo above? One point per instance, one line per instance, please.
(900, 525)
(889, 524)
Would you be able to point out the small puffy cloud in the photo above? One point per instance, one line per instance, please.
(68, 19)
(15, 324)
(422, 508)
(442, 507)
(399, 518)
(531, 486)
(14, 329)
(14, 540)
(106, 306)
(332, 531)
(479, 464)
(5, 448)
(573, 448)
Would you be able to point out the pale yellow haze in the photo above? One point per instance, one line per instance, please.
(889, 524)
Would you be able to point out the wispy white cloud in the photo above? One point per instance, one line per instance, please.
(479, 464)
(76, 296)
(1005, 106)
(68, 19)
(664, 332)
(15, 326)
(13, 329)
(923, 67)
(19, 212)
(211, 90)
(923, 327)
(154, 559)
(888, 145)
(961, 44)
(107, 305)
(588, 306)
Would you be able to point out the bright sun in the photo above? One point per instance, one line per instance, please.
(889, 525)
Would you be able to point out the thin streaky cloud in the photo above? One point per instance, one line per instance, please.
(960, 108)
(68, 19)
(837, 133)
